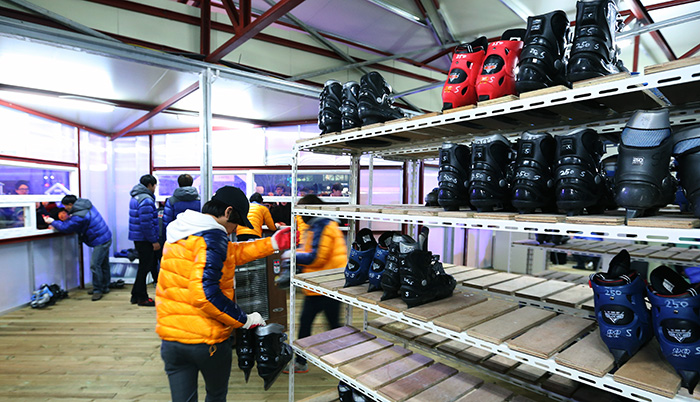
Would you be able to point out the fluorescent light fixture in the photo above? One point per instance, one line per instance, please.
(215, 122)
(67, 102)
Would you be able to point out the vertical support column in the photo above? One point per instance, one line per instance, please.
(292, 271)
(412, 187)
(206, 170)
(370, 184)
(354, 200)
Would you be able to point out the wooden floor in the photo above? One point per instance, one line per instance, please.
(79, 350)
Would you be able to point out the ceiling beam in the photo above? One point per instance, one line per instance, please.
(248, 32)
(205, 28)
(642, 15)
(690, 52)
(400, 12)
(173, 99)
(518, 8)
(232, 13)
(660, 6)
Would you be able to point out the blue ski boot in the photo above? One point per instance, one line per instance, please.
(360, 258)
(675, 314)
(379, 261)
(622, 315)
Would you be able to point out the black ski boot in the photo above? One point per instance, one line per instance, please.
(431, 199)
(580, 182)
(643, 181)
(245, 349)
(533, 185)
(686, 150)
(381, 254)
(452, 176)
(401, 246)
(491, 173)
(375, 102)
(350, 117)
(424, 280)
(675, 315)
(329, 116)
(542, 63)
(273, 353)
(594, 52)
(344, 392)
(623, 318)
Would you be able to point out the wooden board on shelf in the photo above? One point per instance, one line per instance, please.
(528, 373)
(543, 218)
(486, 282)
(572, 297)
(395, 327)
(314, 274)
(588, 305)
(487, 393)
(561, 385)
(312, 340)
(604, 246)
(373, 361)
(557, 275)
(452, 347)
(355, 352)
(543, 290)
(510, 324)
(671, 65)
(431, 340)
(516, 284)
(457, 269)
(582, 245)
(412, 333)
(690, 255)
(650, 371)
(543, 91)
(665, 222)
(473, 274)
(395, 304)
(574, 278)
(551, 336)
(318, 280)
(379, 322)
(629, 247)
(333, 285)
(417, 382)
(339, 343)
(668, 253)
(499, 364)
(474, 354)
(643, 252)
(508, 216)
(496, 101)
(391, 372)
(370, 297)
(601, 80)
(462, 319)
(589, 355)
(609, 220)
(329, 395)
(450, 389)
(432, 310)
(353, 290)
(456, 214)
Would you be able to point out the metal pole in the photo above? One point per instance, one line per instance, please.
(370, 184)
(292, 272)
(205, 175)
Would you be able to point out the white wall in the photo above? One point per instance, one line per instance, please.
(130, 161)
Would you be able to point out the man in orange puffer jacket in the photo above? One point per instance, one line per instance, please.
(257, 215)
(194, 296)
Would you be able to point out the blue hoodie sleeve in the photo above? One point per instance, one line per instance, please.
(168, 213)
(149, 225)
(308, 258)
(73, 225)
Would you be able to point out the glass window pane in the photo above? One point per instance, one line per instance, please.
(13, 217)
(23, 180)
(230, 179)
(321, 184)
(386, 189)
(178, 149)
(167, 183)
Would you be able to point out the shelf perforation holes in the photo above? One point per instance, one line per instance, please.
(671, 79)
(583, 95)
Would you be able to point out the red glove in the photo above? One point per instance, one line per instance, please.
(281, 239)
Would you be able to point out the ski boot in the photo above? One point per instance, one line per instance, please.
(542, 62)
(624, 321)
(360, 258)
(497, 76)
(374, 102)
(245, 349)
(329, 117)
(401, 246)
(533, 185)
(42, 297)
(593, 51)
(460, 89)
(452, 175)
(379, 261)
(491, 173)
(675, 314)
(643, 181)
(579, 181)
(273, 353)
(344, 392)
(431, 199)
(350, 117)
(686, 150)
(423, 279)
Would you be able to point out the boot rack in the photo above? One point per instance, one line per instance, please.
(603, 104)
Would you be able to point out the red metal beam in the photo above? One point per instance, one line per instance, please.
(690, 52)
(205, 28)
(643, 17)
(635, 59)
(659, 6)
(157, 110)
(246, 12)
(248, 32)
(232, 13)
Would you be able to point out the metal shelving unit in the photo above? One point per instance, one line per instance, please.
(674, 85)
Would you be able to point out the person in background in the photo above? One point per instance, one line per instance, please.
(184, 197)
(258, 215)
(59, 214)
(143, 231)
(86, 221)
(21, 187)
(322, 246)
(195, 307)
(337, 190)
(260, 189)
(13, 217)
(43, 208)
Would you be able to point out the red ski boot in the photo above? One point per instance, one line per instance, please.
(466, 63)
(497, 76)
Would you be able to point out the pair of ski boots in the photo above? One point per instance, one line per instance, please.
(481, 71)
(626, 324)
(543, 61)
(264, 345)
(414, 273)
(350, 105)
(367, 259)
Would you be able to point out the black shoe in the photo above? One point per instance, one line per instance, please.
(375, 104)
(245, 349)
(273, 353)
(542, 62)
(431, 199)
(147, 302)
(423, 279)
(96, 296)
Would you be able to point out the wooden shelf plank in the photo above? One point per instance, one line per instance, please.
(339, 343)
(543, 290)
(499, 364)
(312, 340)
(432, 310)
(552, 336)
(572, 297)
(515, 285)
(510, 325)
(368, 363)
(355, 352)
(460, 320)
(589, 355)
(487, 393)
(649, 370)
(450, 389)
(490, 280)
(417, 382)
(391, 372)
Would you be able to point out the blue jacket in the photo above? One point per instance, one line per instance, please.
(143, 215)
(183, 198)
(87, 222)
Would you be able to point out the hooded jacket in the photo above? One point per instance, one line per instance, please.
(322, 246)
(87, 222)
(143, 215)
(183, 198)
(194, 295)
(257, 215)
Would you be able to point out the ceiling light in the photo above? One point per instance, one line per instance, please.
(63, 102)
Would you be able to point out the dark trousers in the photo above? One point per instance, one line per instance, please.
(147, 261)
(312, 306)
(184, 362)
(99, 267)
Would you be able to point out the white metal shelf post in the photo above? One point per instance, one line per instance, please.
(292, 269)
